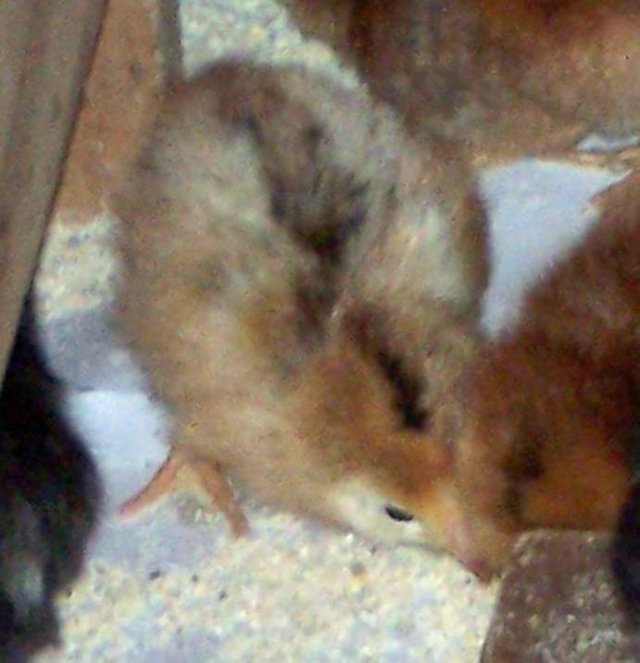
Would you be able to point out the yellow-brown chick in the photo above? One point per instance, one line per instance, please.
(506, 78)
(301, 289)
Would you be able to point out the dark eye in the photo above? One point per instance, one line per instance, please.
(398, 514)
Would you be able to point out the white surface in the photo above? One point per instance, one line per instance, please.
(539, 210)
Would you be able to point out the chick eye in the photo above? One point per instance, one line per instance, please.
(397, 514)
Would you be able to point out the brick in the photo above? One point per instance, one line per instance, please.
(558, 603)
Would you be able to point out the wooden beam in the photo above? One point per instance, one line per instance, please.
(46, 49)
(138, 51)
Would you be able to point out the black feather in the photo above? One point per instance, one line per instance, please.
(50, 494)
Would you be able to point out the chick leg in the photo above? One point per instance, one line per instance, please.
(214, 481)
(211, 478)
(161, 483)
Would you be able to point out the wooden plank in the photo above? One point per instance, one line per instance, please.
(139, 50)
(558, 602)
(45, 51)
(14, 42)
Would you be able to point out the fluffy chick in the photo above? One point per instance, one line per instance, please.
(550, 407)
(245, 291)
(503, 77)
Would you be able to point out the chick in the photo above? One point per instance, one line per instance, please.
(577, 58)
(551, 407)
(625, 549)
(505, 78)
(268, 231)
(51, 495)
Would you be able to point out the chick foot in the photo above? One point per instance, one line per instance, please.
(209, 476)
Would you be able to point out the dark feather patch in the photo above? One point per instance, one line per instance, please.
(322, 214)
(314, 297)
(366, 330)
(408, 391)
(328, 242)
(521, 467)
(525, 463)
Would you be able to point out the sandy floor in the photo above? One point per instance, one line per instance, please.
(171, 585)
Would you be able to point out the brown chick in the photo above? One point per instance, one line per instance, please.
(254, 296)
(506, 78)
(578, 58)
(551, 406)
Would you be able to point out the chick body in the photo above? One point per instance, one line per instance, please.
(302, 287)
(551, 406)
